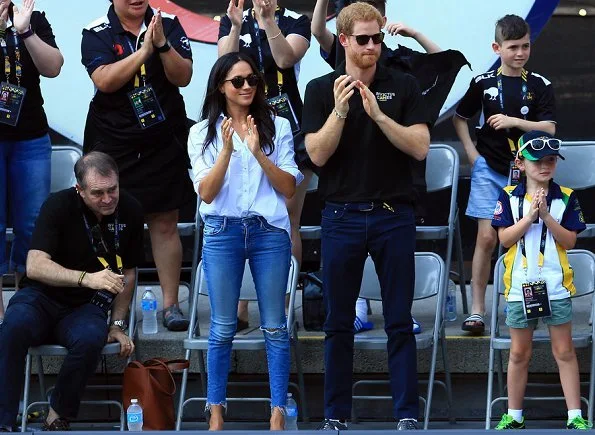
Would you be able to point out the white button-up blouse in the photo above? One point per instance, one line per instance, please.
(246, 189)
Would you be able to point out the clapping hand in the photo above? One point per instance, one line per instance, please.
(159, 39)
(234, 12)
(227, 134)
(369, 101)
(22, 17)
(4, 13)
(252, 138)
(343, 91)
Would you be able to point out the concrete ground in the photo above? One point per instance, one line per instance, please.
(467, 357)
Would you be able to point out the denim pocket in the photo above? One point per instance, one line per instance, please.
(333, 212)
(268, 227)
(213, 226)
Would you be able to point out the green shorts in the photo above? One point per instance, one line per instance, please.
(561, 314)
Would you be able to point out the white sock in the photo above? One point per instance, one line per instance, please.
(572, 413)
(361, 309)
(517, 414)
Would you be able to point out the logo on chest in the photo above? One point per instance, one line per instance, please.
(246, 40)
(383, 97)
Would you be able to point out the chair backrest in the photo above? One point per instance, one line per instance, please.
(442, 172)
(312, 184)
(63, 159)
(576, 171)
(429, 277)
(583, 267)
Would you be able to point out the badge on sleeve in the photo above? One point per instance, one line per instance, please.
(536, 301)
(283, 107)
(11, 103)
(146, 106)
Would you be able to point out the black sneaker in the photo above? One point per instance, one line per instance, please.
(330, 424)
(407, 424)
(174, 320)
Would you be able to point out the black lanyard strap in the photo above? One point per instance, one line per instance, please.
(540, 259)
(18, 66)
(524, 91)
(261, 56)
(100, 257)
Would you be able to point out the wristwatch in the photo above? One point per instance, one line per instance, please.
(164, 48)
(122, 324)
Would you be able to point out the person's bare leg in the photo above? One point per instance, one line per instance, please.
(518, 365)
(481, 265)
(216, 419)
(243, 310)
(277, 419)
(563, 350)
(167, 253)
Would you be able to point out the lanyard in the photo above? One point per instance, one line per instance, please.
(501, 100)
(143, 70)
(102, 259)
(17, 58)
(541, 242)
(260, 55)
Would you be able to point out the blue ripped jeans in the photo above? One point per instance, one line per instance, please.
(228, 243)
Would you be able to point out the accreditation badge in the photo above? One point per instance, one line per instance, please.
(536, 301)
(146, 106)
(11, 103)
(283, 107)
(514, 176)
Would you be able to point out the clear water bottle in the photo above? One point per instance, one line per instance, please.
(451, 301)
(149, 307)
(291, 414)
(134, 416)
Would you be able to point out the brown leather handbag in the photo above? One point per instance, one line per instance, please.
(153, 385)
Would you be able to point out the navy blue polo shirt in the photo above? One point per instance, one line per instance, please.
(366, 166)
(105, 42)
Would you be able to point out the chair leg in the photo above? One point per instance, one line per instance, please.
(447, 377)
(183, 393)
(298, 364)
(41, 376)
(431, 383)
(461, 265)
(203, 372)
(26, 393)
(500, 374)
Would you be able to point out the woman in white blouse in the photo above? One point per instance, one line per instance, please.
(243, 169)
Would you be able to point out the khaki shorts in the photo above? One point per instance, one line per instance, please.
(561, 314)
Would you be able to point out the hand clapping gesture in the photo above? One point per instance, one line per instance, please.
(235, 11)
(252, 138)
(22, 17)
(343, 91)
(159, 39)
(369, 101)
(227, 133)
(265, 9)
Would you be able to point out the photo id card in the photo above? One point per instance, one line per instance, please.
(536, 301)
(146, 106)
(283, 107)
(11, 103)
(103, 299)
(515, 174)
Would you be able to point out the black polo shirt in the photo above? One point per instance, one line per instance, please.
(483, 96)
(111, 114)
(32, 121)
(365, 165)
(60, 231)
(290, 23)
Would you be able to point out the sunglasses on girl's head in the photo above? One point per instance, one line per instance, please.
(363, 39)
(238, 81)
(540, 143)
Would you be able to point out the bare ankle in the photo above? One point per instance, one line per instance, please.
(277, 421)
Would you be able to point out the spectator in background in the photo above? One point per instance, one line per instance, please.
(27, 50)
(276, 39)
(138, 58)
(243, 169)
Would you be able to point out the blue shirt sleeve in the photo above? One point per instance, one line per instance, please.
(573, 218)
(95, 52)
(503, 212)
(179, 40)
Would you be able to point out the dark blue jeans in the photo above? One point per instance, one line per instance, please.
(32, 318)
(349, 233)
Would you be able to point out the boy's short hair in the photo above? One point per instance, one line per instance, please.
(358, 11)
(378, 4)
(511, 27)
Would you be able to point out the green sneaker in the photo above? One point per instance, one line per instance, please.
(579, 423)
(507, 422)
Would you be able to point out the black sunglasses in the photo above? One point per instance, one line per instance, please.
(363, 39)
(238, 81)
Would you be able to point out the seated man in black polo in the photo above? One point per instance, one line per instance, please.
(87, 242)
(364, 125)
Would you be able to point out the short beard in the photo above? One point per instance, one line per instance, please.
(364, 62)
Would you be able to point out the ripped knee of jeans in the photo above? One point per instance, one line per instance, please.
(275, 332)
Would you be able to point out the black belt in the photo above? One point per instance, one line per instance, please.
(367, 206)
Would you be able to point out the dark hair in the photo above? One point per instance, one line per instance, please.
(378, 4)
(511, 27)
(104, 164)
(215, 102)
